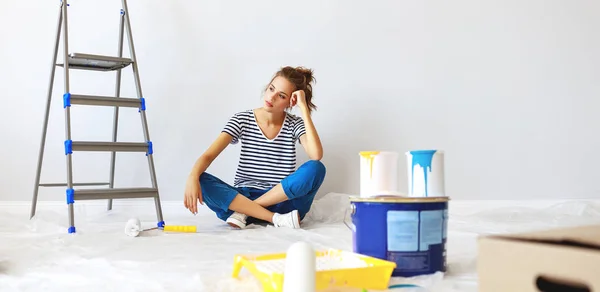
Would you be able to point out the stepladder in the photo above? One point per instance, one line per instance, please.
(107, 64)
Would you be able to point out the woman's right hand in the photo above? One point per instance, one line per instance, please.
(193, 191)
(193, 194)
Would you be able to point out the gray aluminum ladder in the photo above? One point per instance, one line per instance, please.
(104, 64)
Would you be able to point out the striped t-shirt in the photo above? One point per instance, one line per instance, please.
(264, 163)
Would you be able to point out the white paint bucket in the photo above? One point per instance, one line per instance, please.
(378, 173)
(425, 173)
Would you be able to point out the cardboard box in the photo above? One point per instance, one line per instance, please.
(566, 259)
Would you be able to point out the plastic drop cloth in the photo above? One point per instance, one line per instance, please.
(39, 255)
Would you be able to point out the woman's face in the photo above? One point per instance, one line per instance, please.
(278, 94)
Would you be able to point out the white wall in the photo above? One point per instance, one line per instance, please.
(508, 89)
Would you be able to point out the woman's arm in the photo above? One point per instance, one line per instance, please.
(311, 141)
(204, 161)
(193, 190)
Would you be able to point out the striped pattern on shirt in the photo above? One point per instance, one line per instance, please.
(264, 163)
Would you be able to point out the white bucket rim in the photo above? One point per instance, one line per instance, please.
(436, 151)
(379, 152)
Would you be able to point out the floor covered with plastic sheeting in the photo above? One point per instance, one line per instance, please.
(39, 254)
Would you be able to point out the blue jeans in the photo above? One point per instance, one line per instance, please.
(300, 187)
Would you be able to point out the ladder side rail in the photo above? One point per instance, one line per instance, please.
(42, 146)
(68, 150)
(143, 113)
(116, 111)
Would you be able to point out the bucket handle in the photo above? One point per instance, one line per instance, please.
(353, 210)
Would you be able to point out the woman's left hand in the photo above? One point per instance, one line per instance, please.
(298, 98)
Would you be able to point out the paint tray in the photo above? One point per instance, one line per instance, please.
(335, 268)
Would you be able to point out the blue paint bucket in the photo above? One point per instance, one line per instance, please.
(406, 230)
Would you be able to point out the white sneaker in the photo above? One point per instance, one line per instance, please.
(291, 220)
(237, 220)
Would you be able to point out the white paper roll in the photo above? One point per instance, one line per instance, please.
(300, 268)
(133, 227)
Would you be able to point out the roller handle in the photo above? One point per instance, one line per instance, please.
(180, 228)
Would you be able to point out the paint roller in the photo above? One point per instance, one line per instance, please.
(133, 228)
(180, 228)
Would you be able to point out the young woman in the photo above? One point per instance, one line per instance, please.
(267, 185)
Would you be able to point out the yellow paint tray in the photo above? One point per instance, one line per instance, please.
(335, 268)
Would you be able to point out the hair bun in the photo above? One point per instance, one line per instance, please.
(308, 74)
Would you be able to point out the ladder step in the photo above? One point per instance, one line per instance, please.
(103, 100)
(114, 193)
(74, 184)
(96, 62)
(110, 146)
